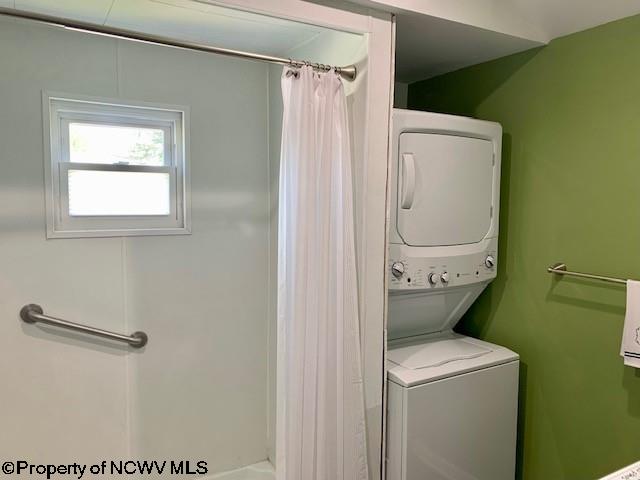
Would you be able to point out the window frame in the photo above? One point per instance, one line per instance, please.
(60, 110)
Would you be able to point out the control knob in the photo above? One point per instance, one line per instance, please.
(433, 278)
(444, 277)
(397, 269)
(490, 262)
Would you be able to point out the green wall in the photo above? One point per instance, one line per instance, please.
(570, 192)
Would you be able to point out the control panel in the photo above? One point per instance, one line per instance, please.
(410, 272)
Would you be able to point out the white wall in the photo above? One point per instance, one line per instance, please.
(198, 390)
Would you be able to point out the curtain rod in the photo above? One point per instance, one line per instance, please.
(347, 72)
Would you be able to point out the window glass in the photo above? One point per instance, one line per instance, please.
(115, 144)
(106, 193)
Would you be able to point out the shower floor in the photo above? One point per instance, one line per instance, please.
(257, 471)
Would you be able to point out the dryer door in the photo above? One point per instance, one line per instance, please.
(445, 189)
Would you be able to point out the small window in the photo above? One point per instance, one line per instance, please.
(115, 168)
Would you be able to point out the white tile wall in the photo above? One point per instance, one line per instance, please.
(199, 389)
(203, 297)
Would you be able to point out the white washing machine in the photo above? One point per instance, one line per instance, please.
(452, 400)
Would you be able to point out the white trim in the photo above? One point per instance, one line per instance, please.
(59, 110)
(387, 217)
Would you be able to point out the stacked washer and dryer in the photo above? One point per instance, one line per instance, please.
(452, 400)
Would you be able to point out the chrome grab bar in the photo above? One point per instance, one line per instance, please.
(561, 269)
(33, 313)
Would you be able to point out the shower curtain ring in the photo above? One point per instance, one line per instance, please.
(293, 68)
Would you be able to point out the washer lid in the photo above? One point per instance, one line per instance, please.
(434, 354)
(441, 356)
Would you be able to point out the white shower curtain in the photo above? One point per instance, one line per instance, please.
(320, 414)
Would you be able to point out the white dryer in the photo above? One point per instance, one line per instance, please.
(452, 400)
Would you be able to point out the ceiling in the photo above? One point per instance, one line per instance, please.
(433, 36)
(192, 20)
(438, 36)
(558, 18)
(426, 47)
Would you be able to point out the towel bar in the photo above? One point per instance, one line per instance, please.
(561, 269)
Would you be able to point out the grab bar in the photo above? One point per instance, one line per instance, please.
(561, 269)
(33, 313)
